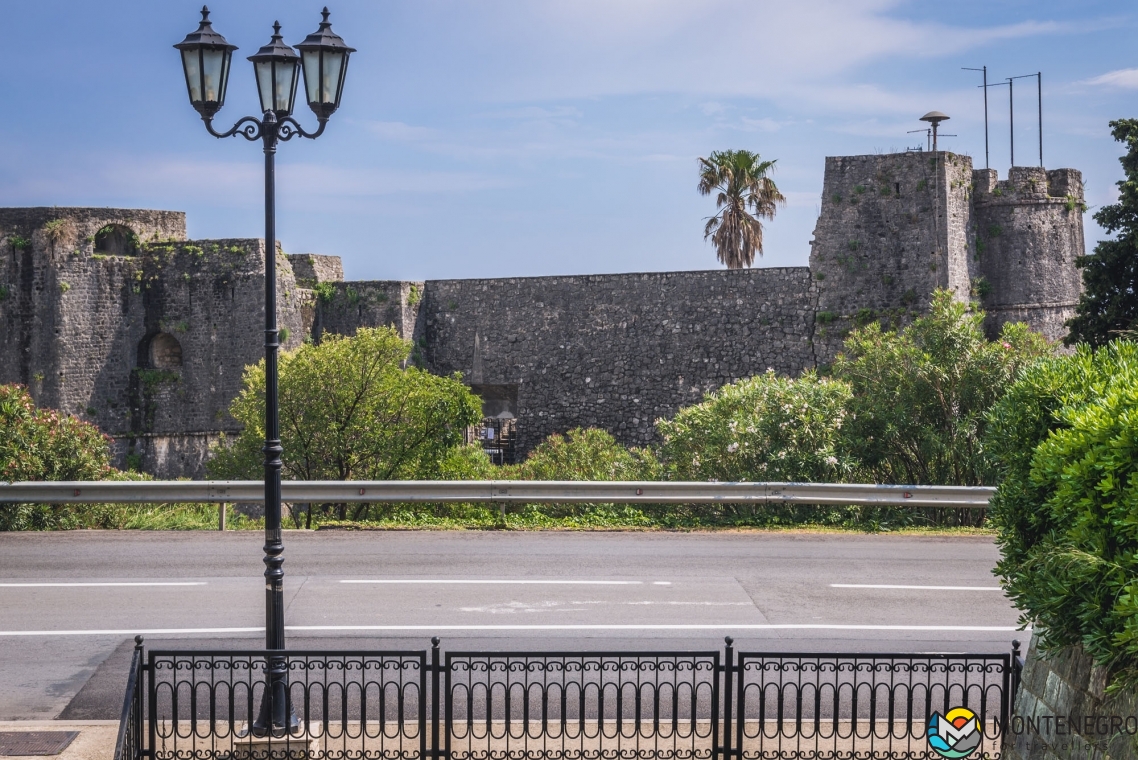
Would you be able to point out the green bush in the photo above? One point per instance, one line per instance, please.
(921, 394)
(1066, 438)
(762, 428)
(44, 445)
(581, 454)
(584, 454)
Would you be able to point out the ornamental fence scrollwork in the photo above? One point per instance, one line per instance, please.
(689, 705)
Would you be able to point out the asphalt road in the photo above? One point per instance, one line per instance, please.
(64, 647)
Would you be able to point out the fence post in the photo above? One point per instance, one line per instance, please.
(152, 702)
(435, 668)
(221, 516)
(728, 705)
(139, 699)
(1017, 674)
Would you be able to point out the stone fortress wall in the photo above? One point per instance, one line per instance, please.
(114, 316)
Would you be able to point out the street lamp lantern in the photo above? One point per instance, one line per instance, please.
(205, 61)
(205, 58)
(277, 67)
(325, 59)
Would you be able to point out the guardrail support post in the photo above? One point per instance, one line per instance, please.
(221, 515)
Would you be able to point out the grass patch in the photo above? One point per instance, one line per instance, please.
(653, 517)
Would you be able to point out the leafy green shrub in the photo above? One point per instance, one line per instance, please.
(584, 454)
(1066, 438)
(920, 395)
(581, 454)
(762, 428)
(43, 445)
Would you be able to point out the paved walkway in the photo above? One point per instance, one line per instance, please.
(96, 740)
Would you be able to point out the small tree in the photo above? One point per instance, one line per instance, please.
(1109, 304)
(349, 410)
(746, 194)
(921, 395)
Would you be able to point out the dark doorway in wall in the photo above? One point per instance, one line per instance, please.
(160, 351)
(116, 240)
(497, 399)
(498, 431)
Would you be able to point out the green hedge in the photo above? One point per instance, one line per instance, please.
(1066, 437)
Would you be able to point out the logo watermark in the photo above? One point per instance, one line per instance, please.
(959, 732)
(955, 734)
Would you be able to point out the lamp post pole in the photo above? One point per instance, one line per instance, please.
(274, 543)
(324, 60)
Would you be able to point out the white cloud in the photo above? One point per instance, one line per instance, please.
(712, 48)
(763, 125)
(1124, 79)
(399, 132)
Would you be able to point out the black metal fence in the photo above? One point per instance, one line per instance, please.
(129, 744)
(376, 705)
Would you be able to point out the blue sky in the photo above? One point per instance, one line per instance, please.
(491, 138)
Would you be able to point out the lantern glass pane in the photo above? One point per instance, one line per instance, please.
(264, 71)
(284, 85)
(227, 57)
(330, 82)
(193, 74)
(311, 60)
(213, 70)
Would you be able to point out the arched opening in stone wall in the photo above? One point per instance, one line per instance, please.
(116, 240)
(163, 351)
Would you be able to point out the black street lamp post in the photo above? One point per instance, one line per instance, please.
(324, 58)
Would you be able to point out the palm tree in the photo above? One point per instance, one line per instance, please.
(746, 194)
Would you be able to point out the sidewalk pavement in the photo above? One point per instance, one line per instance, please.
(96, 739)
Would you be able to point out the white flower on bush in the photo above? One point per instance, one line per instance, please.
(832, 460)
(732, 448)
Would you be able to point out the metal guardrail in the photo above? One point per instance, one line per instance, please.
(498, 491)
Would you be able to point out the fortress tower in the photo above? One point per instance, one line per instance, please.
(111, 315)
(893, 228)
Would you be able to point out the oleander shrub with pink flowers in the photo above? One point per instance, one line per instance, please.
(45, 444)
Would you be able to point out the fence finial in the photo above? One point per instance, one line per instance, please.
(138, 642)
(434, 642)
